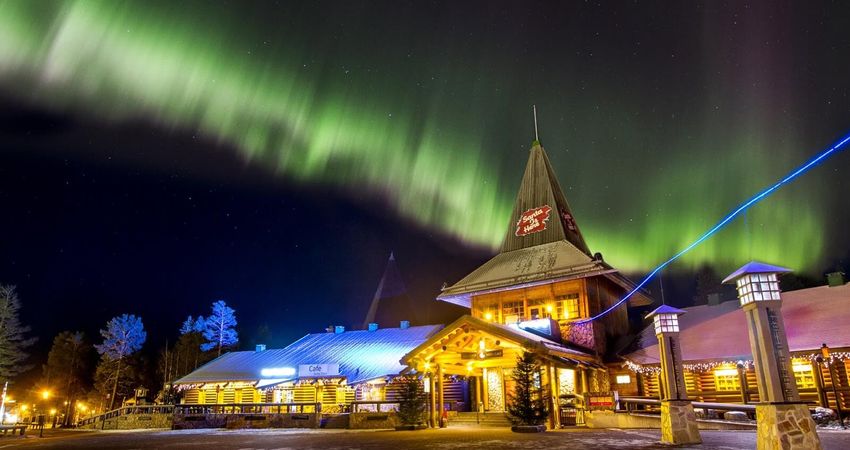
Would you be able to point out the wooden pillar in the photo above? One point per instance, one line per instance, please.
(823, 401)
(479, 388)
(441, 407)
(320, 390)
(554, 413)
(433, 403)
(485, 388)
(584, 386)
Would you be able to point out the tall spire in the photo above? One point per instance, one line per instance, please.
(541, 213)
(390, 303)
(536, 136)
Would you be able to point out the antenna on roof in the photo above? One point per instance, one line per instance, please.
(536, 137)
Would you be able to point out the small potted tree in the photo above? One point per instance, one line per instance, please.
(528, 404)
(411, 405)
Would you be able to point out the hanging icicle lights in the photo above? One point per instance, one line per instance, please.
(743, 207)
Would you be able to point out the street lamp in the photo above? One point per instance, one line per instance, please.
(678, 421)
(45, 394)
(780, 416)
(824, 350)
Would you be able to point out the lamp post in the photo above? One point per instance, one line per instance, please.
(834, 379)
(783, 421)
(678, 421)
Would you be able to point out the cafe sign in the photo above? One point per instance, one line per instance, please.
(317, 370)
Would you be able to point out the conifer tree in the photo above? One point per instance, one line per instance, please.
(528, 405)
(411, 405)
(123, 336)
(13, 340)
(220, 331)
(66, 367)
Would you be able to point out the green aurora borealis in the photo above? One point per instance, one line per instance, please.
(649, 156)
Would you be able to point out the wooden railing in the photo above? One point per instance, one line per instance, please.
(246, 408)
(373, 406)
(631, 402)
(127, 410)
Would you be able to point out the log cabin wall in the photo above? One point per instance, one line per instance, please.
(603, 294)
(716, 385)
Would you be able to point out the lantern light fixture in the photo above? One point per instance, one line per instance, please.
(757, 282)
(666, 319)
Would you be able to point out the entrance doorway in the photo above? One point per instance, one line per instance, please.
(495, 388)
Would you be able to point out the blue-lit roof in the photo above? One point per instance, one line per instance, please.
(362, 355)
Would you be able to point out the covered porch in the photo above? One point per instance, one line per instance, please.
(485, 354)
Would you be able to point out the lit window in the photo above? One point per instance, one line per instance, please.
(512, 312)
(488, 310)
(566, 306)
(726, 380)
(803, 374)
(624, 379)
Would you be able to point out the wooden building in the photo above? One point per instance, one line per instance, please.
(536, 294)
(329, 370)
(718, 359)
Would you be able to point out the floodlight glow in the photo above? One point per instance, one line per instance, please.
(743, 207)
(278, 372)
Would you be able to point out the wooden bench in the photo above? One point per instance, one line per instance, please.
(13, 428)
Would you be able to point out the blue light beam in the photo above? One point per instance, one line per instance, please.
(743, 207)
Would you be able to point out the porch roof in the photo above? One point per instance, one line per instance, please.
(510, 333)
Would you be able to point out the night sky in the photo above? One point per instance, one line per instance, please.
(157, 156)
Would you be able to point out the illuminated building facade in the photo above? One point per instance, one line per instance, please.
(535, 294)
(328, 370)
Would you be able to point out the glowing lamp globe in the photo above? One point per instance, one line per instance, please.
(666, 319)
(757, 282)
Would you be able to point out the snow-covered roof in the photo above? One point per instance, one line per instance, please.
(362, 355)
(812, 316)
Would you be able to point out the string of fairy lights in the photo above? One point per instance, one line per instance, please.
(747, 364)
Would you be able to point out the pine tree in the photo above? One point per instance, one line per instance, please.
(528, 405)
(191, 325)
(219, 331)
(13, 340)
(123, 336)
(66, 366)
(411, 405)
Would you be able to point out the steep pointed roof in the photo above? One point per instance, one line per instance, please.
(391, 303)
(543, 243)
(540, 196)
